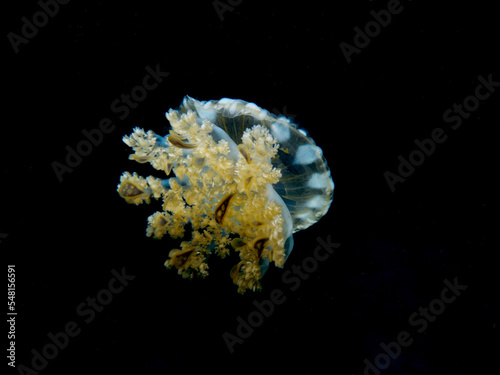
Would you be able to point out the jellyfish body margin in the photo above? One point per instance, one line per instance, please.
(243, 178)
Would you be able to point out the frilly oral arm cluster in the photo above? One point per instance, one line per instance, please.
(222, 189)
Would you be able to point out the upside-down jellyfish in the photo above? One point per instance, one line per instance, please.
(243, 178)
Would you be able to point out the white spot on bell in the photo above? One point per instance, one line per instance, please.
(307, 154)
(320, 180)
(280, 132)
(317, 202)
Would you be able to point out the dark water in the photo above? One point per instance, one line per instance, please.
(397, 278)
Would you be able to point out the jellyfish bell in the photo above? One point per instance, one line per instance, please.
(306, 185)
(245, 179)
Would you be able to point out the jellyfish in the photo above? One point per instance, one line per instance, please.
(239, 177)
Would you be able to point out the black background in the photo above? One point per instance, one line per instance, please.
(396, 248)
